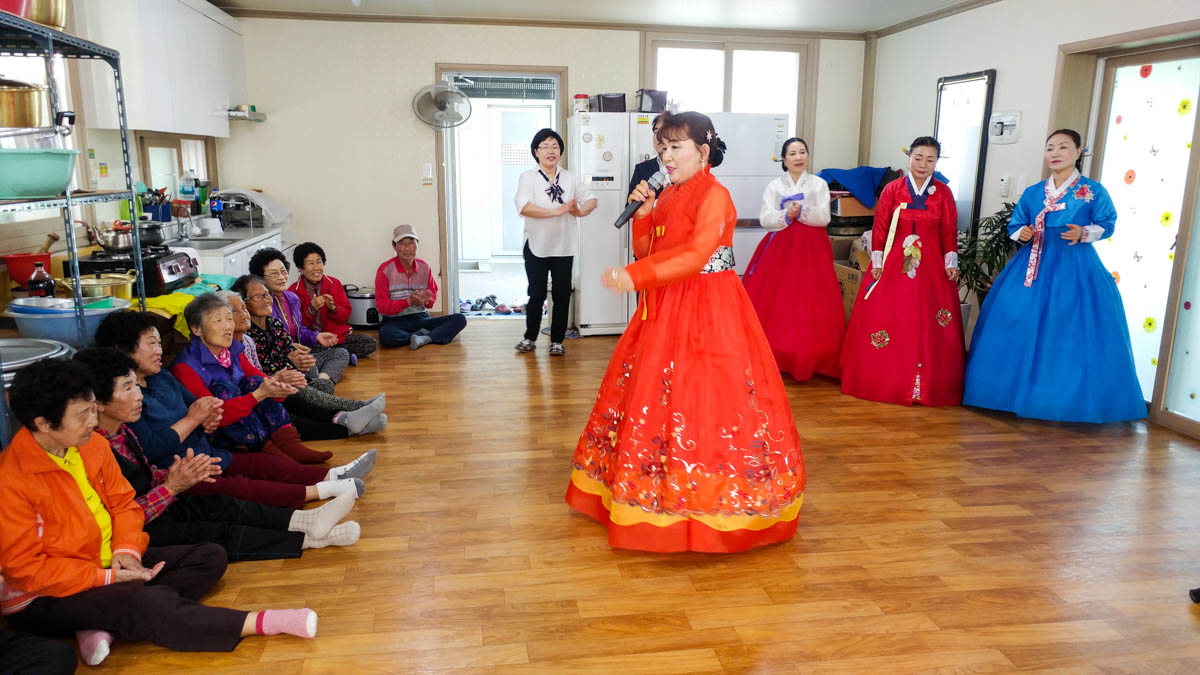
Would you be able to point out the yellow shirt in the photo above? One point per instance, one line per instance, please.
(73, 464)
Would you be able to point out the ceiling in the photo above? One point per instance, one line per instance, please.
(850, 16)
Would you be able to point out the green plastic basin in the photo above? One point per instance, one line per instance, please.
(27, 173)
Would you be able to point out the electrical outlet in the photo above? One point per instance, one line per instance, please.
(1004, 186)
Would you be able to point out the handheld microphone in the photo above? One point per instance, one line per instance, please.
(655, 183)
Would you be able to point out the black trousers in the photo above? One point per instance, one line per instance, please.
(536, 270)
(34, 655)
(312, 422)
(246, 530)
(163, 611)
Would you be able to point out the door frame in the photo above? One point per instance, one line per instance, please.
(1106, 75)
(443, 145)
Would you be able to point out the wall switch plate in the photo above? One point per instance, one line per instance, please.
(1004, 185)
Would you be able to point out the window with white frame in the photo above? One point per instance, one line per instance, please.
(767, 75)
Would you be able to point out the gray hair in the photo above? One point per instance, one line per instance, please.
(201, 307)
(226, 295)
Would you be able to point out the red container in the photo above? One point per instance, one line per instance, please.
(20, 265)
(16, 7)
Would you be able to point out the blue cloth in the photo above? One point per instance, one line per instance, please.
(863, 181)
(165, 402)
(1059, 348)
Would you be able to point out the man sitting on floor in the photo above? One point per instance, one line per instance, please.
(404, 292)
(72, 550)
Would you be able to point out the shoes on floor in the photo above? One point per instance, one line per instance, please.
(556, 349)
(524, 346)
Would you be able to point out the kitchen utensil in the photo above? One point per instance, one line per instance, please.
(56, 305)
(23, 104)
(152, 233)
(113, 284)
(27, 173)
(51, 238)
(49, 13)
(20, 352)
(62, 327)
(363, 313)
(115, 241)
(20, 265)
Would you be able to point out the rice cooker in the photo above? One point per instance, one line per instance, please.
(363, 313)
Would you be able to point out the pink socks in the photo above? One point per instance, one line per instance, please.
(298, 622)
(93, 645)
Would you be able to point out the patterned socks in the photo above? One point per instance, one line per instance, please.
(319, 521)
(359, 468)
(93, 645)
(342, 534)
(298, 622)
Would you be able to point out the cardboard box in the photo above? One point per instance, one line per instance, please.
(850, 280)
(849, 207)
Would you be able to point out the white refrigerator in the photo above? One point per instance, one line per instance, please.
(603, 148)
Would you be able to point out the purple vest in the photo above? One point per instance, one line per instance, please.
(200, 358)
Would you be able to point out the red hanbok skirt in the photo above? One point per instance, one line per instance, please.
(905, 342)
(691, 444)
(796, 294)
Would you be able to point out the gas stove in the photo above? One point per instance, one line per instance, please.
(165, 270)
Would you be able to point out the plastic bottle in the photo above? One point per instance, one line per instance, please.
(40, 284)
(187, 186)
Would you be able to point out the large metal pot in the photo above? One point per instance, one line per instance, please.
(23, 104)
(115, 241)
(51, 13)
(152, 233)
(99, 285)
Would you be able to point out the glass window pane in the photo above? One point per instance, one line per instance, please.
(1146, 155)
(766, 82)
(695, 78)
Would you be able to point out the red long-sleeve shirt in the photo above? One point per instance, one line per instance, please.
(234, 408)
(393, 285)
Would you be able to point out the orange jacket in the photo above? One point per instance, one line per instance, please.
(49, 539)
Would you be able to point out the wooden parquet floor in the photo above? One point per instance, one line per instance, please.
(931, 540)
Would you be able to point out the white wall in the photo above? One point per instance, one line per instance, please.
(341, 146)
(1020, 39)
(839, 104)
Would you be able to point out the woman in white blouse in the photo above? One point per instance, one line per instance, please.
(550, 199)
(790, 279)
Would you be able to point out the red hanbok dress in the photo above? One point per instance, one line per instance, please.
(905, 340)
(691, 444)
(790, 280)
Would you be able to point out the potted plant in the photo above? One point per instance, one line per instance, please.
(982, 255)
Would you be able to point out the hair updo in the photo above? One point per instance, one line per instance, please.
(694, 126)
(1078, 140)
(927, 142)
(783, 152)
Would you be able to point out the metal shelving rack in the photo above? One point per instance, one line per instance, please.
(20, 37)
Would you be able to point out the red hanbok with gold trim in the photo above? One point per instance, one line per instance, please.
(905, 340)
(691, 444)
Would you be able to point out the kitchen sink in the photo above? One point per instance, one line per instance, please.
(207, 244)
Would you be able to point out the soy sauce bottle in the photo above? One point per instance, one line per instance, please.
(40, 284)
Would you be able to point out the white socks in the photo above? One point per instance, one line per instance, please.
(333, 488)
(342, 534)
(359, 468)
(319, 521)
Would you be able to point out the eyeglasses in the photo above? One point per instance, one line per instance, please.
(275, 273)
(548, 146)
(259, 297)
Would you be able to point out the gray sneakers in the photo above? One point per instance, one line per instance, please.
(524, 346)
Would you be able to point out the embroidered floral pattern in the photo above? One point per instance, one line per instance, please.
(720, 261)
(912, 255)
(1084, 192)
(943, 317)
(880, 339)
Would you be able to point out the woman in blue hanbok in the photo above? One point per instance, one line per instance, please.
(1051, 341)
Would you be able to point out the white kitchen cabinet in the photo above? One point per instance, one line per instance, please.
(181, 61)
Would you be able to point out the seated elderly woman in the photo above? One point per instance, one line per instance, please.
(324, 301)
(270, 265)
(173, 421)
(71, 534)
(317, 414)
(246, 530)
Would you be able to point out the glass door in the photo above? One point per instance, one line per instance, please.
(1182, 395)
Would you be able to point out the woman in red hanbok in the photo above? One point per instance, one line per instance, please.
(691, 444)
(790, 279)
(905, 340)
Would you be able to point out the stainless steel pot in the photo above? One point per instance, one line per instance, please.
(115, 241)
(52, 13)
(23, 104)
(151, 233)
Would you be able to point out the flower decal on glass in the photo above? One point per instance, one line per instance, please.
(1118, 119)
(943, 317)
(1167, 218)
(1187, 305)
(1150, 324)
(1084, 192)
(1145, 71)
(1185, 106)
(1130, 176)
(879, 339)
(912, 255)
